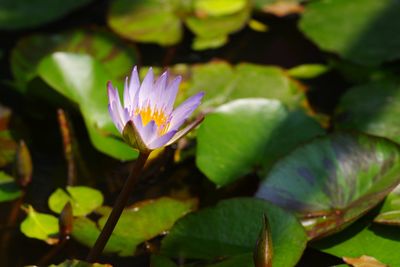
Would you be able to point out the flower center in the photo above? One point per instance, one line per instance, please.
(158, 116)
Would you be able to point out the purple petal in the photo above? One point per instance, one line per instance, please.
(158, 91)
(134, 86)
(127, 97)
(112, 93)
(119, 115)
(162, 140)
(181, 113)
(115, 118)
(149, 132)
(146, 88)
(170, 94)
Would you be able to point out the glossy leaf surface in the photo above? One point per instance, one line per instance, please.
(333, 180)
(40, 226)
(83, 199)
(83, 79)
(372, 108)
(380, 242)
(231, 228)
(247, 134)
(364, 37)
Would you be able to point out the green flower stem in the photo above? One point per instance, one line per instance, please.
(118, 208)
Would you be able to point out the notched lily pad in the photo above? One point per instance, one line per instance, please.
(231, 229)
(40, 226)
(333, 180)
(138, 223)
(83, 199)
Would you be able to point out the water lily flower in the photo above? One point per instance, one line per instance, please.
(147, 119)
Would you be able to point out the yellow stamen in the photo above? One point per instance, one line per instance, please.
(158, 116)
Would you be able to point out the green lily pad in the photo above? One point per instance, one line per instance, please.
(83, 199)
(265, 81)
(363, 37)
(371, 108)
(231, 228)
(378, 241)
(390, 211)
(218, 8)
(146, 21)
(222, 82)
(137, 224)
(28, 14)
(8, 146)
(219, 24)
(9, 190)
(116, 57)
(333, 180)
(40, 226)
(82, 79)
(247, 134)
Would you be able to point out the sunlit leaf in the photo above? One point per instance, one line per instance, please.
(146, 21)
(230, 19)
(279, 8)
(223, 82)
(116, 57)
(363, 37)
(40, 226)
(246, 134)
(141, 222)
(219, 7)
(83, 79)
(83, 199)
(29, 14)
(9, 190)
(390, 210)
(377, 241)
(333, 180)
(231, 228)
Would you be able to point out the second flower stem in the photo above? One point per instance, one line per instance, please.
(118, 208)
